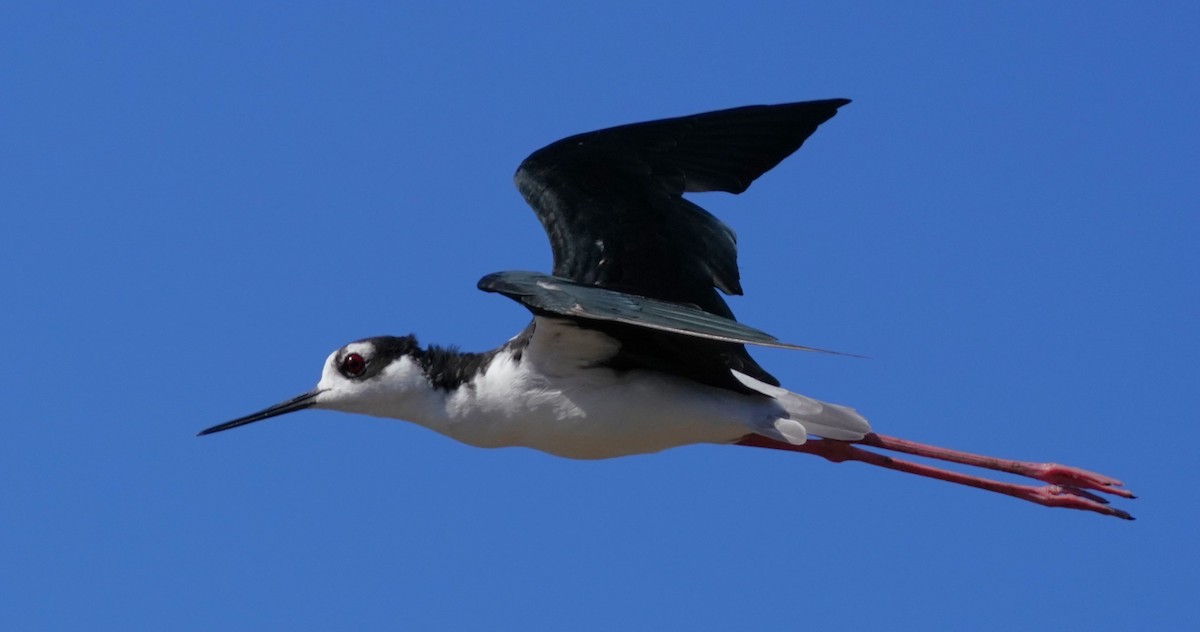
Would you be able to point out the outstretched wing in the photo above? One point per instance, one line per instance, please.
(554, 296)
(612, 203)
(676, 338)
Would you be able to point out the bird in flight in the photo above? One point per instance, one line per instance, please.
(632, 349)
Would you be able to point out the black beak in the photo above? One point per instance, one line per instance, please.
(290, 406)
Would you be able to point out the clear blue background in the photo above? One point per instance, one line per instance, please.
(201, 200)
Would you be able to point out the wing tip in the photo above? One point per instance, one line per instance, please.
(508, 281)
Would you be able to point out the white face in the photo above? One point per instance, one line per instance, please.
(361, 377)
(357, 379)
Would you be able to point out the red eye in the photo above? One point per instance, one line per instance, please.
(353, 365)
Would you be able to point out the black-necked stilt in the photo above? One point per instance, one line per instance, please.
(632, 349)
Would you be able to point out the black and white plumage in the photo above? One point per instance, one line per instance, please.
(632, 349)
(612, 204)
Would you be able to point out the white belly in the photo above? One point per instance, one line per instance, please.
(594, 413)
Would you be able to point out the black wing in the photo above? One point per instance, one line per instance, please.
(611, 201)
(676, 338)
(555, 296)
(612, 204)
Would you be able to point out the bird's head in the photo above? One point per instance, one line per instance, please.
(374, 376)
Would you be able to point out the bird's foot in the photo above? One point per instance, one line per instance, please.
(1076, 478)
(1072, 498)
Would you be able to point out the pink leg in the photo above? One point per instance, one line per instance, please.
(1054, 495)
(1052, 473)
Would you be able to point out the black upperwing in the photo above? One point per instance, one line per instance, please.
(555, 296)
(611, 202)
(676, 338)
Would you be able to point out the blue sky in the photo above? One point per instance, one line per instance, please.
(202, 201)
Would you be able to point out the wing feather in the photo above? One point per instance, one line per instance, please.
(548, 295)
(611, 202)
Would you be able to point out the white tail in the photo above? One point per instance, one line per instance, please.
(823, 419)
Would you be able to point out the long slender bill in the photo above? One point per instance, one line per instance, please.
(290, 406)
